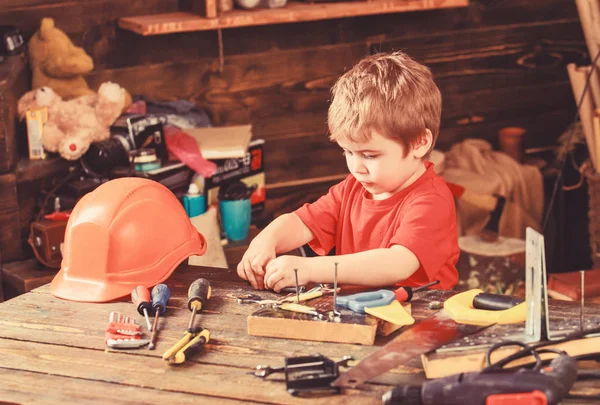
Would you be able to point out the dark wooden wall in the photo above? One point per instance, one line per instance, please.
(498, 63)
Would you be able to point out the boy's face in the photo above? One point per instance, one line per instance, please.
(380, 165)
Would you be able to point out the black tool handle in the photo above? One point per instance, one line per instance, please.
(552, 383)
(494, 302)
(198, 345)
(198, 294)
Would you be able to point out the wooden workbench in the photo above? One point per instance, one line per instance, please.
(53, 351)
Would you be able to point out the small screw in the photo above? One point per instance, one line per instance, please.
(435, 305)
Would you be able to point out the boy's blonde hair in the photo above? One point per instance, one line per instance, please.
(389, 93)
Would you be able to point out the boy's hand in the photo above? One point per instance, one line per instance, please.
(252, 265)
(280, 272)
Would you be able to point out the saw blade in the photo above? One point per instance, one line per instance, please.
(433, 332)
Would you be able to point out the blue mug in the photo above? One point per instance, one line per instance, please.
(235, 218)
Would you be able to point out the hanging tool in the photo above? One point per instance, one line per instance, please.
(405, 294)
(193, 339)
(140, 296)
(427, 335)
(307, 374)
(496, 386)
(160, 297)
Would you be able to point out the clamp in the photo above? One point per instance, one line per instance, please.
(192, 341)
(307, 375)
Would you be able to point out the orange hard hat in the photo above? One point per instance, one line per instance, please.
(127, 232)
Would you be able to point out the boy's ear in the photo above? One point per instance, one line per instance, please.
(423, 144)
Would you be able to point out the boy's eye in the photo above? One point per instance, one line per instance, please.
(370, 156)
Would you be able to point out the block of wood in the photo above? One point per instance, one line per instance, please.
(351, 328)
(567, 286)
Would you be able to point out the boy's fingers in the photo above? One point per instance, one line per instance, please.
(257, 265)
(270, 278)
(280, 284)
(240, 270)
(260, 281)
(250, 274)
(270, 267)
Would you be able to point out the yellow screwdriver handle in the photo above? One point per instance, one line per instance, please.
(177, 346)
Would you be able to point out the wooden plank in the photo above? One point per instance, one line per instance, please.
(349, 328)
(44, 389)
(126, 369)
(10, 229)
(23, 276)
(77, 16)
(31, 170)
(14, 82)
(310, 158)
(284, 199)
(168, 23)
(359, 329)
(255, 89)
(106, 43)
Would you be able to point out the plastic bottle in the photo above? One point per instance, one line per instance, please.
(194, 202)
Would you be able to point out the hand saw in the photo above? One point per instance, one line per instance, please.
(430, 334)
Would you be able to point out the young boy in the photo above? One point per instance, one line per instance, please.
(393, 219)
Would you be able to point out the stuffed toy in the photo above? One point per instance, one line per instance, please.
(56, 63)
(74, 124)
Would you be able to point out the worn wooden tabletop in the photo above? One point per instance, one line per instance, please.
(53, 351)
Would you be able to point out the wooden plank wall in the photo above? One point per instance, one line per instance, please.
(498, 63)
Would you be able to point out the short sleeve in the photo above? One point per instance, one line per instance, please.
(322, 217)
(428, 229)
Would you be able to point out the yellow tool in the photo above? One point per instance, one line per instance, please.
(192, 341)
(460, 307)
(303, 309)
(194, 338)
(393, 313)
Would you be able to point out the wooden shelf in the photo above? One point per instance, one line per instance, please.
(30, 170)
(169, 23)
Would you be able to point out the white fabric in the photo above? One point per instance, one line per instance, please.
(474, 165)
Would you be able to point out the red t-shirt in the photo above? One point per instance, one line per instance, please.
(422, 218)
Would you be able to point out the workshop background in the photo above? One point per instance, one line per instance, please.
(498, 64)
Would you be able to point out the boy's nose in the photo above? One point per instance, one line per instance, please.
(358, 167)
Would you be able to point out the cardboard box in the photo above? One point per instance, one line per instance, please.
(249, 169)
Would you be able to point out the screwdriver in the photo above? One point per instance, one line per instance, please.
(198, 294)
(160, 298)
(405, 294)
(141, 299)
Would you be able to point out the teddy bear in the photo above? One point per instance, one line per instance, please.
(74, 124)
(57, 63)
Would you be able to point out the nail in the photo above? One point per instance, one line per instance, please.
(297, 289)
